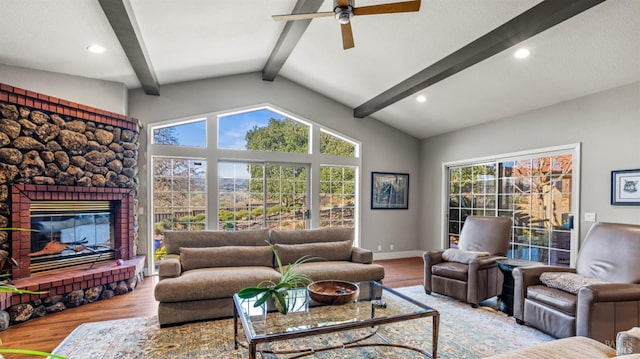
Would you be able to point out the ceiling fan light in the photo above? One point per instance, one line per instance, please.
(344, 15)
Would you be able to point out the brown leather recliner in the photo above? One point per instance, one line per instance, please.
(476, 277)
(610, 261)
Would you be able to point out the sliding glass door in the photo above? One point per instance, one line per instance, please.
(536, 192)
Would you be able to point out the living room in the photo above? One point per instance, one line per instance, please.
(602, 120)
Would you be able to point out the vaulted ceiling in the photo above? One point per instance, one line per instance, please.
(457, 53)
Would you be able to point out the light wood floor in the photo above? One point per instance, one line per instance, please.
(46, 333)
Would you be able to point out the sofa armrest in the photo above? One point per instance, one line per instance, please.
(477, 274)
(361, 255)
(170, 266)
(609, 292)
(482, 262)
(430, 258)
(628, 342)
(524, 277)
(603, 310)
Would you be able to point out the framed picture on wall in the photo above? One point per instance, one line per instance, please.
(389, 190)
(625, 187)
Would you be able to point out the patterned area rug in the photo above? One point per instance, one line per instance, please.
(464, 333)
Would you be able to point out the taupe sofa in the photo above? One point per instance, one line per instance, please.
(203, 269)
(597, 299)
(626, 345)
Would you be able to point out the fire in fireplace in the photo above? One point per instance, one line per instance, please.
(68, 233)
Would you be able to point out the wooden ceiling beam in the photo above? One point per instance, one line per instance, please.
(531, 22)
(289, 37)
(123, 23)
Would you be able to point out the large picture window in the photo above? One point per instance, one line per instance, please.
(248, 169)
(534, 191)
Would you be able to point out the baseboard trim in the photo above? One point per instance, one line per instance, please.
(397, 255)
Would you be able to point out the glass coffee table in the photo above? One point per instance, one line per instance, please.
(376, 305)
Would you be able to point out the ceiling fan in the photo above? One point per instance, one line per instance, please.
(344, 11)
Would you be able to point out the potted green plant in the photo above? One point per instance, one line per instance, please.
(278, 291)
(7, 287)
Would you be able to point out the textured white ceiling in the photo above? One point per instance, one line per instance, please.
(192, 39)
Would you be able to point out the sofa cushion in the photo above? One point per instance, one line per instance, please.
(340, 270)
(568, 282)
(212, 283)
(453, 270)
(628, 341)
(329, 251)
(312, 235)
(228, 256)
(456, 255)
(174, 240)
(566, 348)
(556, 298)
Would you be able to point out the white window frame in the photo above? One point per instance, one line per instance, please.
(212, 154)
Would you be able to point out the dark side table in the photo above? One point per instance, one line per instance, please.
(506, 267)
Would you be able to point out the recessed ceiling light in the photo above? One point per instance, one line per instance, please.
(522, 53)
(96, 49)
(421, 98)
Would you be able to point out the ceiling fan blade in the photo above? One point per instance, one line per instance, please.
(406, 6)
(347, 36)
(311, 15)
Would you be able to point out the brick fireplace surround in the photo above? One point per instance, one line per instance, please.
(20, 191)
(22, 195)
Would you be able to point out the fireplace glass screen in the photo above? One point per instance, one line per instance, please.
(70, 233)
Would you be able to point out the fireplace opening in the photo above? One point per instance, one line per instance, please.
(68, 233)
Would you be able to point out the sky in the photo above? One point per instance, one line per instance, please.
(231, 135)
(233, 128)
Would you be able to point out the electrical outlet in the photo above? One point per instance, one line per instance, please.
(379, 247)
(589, 217)
(391, 247)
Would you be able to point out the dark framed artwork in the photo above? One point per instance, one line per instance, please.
(389, 190)
(625, 187)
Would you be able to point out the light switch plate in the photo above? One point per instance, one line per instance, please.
(589, 217)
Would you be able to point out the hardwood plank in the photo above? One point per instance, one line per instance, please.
(402, 272)
(46, 333)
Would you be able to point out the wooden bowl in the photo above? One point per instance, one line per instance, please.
(333, 292)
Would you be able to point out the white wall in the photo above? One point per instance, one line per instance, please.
(384, 148)
(607, 125)
(104, 95)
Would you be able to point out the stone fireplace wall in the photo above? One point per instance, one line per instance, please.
(52, 149)
(50, 142)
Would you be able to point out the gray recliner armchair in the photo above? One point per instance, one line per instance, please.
(470, 273)
(597, 299)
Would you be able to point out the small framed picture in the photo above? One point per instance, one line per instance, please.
(625, 187)
(389, 190)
